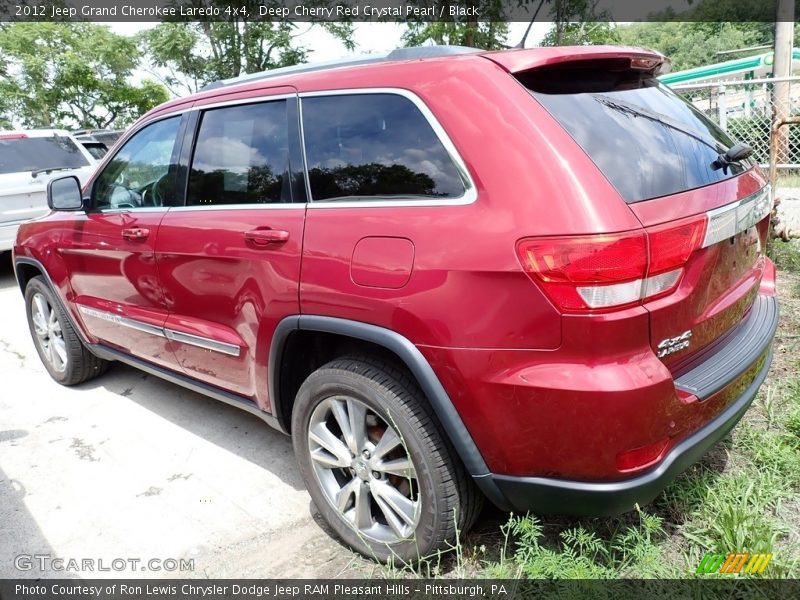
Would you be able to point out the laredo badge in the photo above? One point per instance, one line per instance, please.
(674, 344)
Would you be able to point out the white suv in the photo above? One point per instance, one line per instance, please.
(28, 161)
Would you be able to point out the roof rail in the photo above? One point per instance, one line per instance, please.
(420, 52)
(413, 53)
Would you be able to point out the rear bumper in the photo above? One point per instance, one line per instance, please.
(715, 370)
(742, 364)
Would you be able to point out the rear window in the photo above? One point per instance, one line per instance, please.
(646, 139)
(37, 153)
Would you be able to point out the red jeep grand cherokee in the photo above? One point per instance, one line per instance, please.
(533, 275)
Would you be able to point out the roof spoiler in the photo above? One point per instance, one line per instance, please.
(637, 59)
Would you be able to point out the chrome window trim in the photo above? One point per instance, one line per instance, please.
(251, 100)
(170, 334)
(732, 219)
(255, 206)
(470, 194)
(136, 209)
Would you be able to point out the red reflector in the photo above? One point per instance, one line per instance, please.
(672, 244)
(642, 457)
(12, 136)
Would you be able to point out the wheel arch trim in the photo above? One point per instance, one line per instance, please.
(413, 359)
(32, 262)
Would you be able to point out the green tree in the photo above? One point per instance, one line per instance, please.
(71, 75)
(187, 56)
(579, 22)
(581, 33)
(690, 45)
(489, 33)
(695, 36)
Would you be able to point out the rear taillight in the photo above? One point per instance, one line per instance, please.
(601, 272)
(12, 136)
(672, 244)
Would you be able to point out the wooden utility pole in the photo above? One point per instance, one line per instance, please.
(782, 67)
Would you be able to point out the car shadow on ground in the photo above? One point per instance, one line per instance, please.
(225, 426)
(19, 532)
(7, 279)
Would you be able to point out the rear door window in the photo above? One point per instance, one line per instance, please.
(20, 154)
(375, 146)
(646, 139)
(242, 156)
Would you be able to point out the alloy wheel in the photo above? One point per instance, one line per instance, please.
(49, 336)
(364, 469)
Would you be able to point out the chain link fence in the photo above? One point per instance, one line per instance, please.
(746, 110)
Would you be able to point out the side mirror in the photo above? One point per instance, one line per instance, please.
(64, 193)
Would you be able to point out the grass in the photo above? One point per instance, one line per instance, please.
(582, 551)
(743, 496)
(786, 255)
(790, 179)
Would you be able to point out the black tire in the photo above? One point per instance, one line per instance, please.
(80, 364)
(448, 501)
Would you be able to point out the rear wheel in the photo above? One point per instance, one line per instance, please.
(376, 462)
(63, 354)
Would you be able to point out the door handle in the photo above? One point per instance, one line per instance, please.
(135, 234)
(265, 237)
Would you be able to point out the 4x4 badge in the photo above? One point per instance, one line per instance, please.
(674, 344)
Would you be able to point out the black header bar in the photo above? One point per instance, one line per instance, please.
(397, 11)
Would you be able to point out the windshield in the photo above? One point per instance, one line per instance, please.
(646, 139)
(39, 153)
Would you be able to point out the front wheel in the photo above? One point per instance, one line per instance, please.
(63, 354)
(376, 463)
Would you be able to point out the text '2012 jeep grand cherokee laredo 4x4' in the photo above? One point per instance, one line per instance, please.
(536, 276)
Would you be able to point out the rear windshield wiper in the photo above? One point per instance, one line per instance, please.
(733, 155)
(665, 120)
(36, 172)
